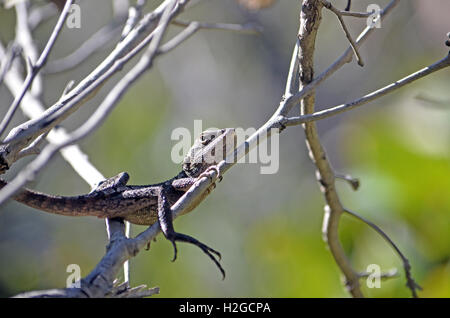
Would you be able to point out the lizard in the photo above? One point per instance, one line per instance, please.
(144, 204)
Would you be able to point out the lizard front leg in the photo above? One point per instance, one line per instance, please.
(166, 223)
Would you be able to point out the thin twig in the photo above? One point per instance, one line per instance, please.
(390, 274)
(245, 28)
(95, 43)
(412, 285)
(134, 14)
(30, 52)
(40, 14)
(274, 125)
(349, 4)
(12, 52)
(194, 26)
(356, 14)
(22, 135)
(287, 104)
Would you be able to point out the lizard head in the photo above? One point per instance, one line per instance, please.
(210, 148)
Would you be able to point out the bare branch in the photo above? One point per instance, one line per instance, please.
(349, 4)
(194, 26)
(26, 138)
(33, 107)
(290, 101)
(310, 19)
(390, 274)
(355, 14)
(134, 14)
(12, 52)
(244, 28)
(34, 148)
(353, 182)
(40, 14)
(348, 13)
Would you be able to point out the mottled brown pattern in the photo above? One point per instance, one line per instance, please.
(136, 204)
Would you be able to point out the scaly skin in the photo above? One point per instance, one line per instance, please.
(145, 204)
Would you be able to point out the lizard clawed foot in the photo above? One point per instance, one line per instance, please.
(206, 249)
(205, 173)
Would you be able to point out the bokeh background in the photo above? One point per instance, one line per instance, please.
(267, 227)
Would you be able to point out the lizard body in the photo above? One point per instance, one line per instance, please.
(144, 204)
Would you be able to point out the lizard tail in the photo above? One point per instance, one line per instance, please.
(71, 206)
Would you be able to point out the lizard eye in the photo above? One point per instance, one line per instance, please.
(204, 140)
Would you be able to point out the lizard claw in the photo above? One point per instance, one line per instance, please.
(205, 173)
